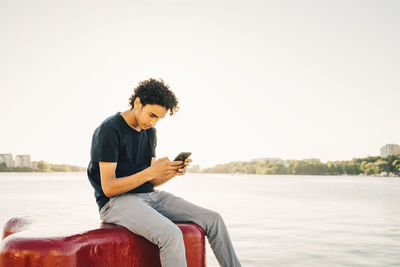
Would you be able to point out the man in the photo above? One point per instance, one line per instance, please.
(124, 171)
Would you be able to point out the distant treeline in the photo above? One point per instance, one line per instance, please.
(356, 166)
(43, 166)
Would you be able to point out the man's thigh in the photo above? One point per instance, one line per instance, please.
(180, 210)
(136, 215)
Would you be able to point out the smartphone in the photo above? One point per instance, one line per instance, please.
(182, 156)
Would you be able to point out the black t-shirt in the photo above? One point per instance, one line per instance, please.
(115, 141)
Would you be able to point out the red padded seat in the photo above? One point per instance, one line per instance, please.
(109, 245)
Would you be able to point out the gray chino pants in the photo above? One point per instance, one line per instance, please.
(151, 214)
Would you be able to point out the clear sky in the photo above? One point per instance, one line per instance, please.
(288, 79)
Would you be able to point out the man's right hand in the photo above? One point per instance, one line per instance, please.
(163, 167)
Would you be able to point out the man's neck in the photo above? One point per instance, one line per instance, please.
(130, 118)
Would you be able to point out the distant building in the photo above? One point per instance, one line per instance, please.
(7, 159)
(389, 150)
(34, 164)
(23, 161)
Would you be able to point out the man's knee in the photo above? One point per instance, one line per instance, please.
(172, 236)
(213, 217)
(175, 233)
(211, 220)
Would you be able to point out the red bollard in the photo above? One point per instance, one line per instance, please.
(109, 245)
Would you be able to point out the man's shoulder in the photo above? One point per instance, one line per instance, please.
(111, 123)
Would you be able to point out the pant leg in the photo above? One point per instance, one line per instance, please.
(178, 209)
(133, 213)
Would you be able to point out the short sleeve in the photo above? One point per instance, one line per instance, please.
(105, 144)
(153, 141)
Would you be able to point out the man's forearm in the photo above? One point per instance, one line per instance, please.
(161, 180)
(121, 185)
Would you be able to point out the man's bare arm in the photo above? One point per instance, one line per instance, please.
(114, 186)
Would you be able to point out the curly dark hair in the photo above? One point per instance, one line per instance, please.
(154, 91)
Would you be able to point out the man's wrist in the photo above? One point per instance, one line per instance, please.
(150, 173)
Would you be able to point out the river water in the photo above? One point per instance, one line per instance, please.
(273, 220)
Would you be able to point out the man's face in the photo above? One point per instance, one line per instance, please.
(148, 115)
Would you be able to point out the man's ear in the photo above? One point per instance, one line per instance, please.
(137, 103)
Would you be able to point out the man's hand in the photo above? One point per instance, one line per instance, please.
(182, 171)
(165, 168)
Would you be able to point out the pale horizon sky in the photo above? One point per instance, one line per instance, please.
(287, 79)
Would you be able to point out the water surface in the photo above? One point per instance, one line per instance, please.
(273, 220)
